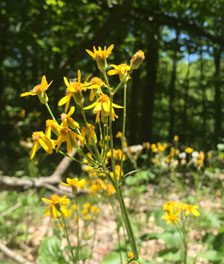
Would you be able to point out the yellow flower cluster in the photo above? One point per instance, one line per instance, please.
(93, 144)
(89, 211)
(174, 154)
(175, 210)
(68, 130)
(57, 206)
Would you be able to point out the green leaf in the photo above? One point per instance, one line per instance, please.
(50, 252)
(170, 254)
(111, 258)
(211, 255)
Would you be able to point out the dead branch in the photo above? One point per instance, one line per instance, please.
(11, 254)
(46, 182)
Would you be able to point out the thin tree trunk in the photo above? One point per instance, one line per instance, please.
(172, 88)
(149, 89)
(185, 95)
(218, 100)
(203, 89)
(133, 109)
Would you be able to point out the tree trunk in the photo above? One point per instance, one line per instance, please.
(218, 100)
(149, 89)
(172, 88)
(133, 109)
(185, 95)
(203, 90)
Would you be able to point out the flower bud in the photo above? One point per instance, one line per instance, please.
(137, 59)
(43, 97)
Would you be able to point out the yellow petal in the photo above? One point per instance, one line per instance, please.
(110, 48)
(92, 95)
(43, 81)
(34, 150)
(27, 94)
(195, 212)
(64, 100)
(64, 184)
(117, 106)
(79, 76)
(69, 144)
(46, 200)
(90, 53)
(66, 82)
(97, 108)
(71, 111)
(55, 213)
(90, 106)
(106, 107)
(112, 72)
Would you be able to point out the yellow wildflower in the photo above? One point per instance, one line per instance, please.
(100, 55)
(154, 148)
(171, 207)
(117, 154)
(119, 134)
(146, 145)
(52, 125)
(137, 59)
(118, 172)
(75, 183)
(40, 140)
(191, 209)
(68, 136)
(200, 159)
(102, 108)
(110, 190)
(89, 133)
(39, 90)
(95, 210)
(121, 70)
(95, 87)
(57, 206)
(189, 150)
(162, 147)
(173, 218)
(74, 90)
(67, 120)
(131, 255)
(176, 138)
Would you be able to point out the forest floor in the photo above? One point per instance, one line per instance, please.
(147, 219)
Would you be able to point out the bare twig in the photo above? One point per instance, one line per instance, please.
(11, 254)
(11, 209)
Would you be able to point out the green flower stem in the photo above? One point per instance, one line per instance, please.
(64, 226)
(123, 81)
(93, 142)
(118, 221)
(127, 224)
(117, 187)
(185, 243)
(50, 112)
(111, 128)
(77, 227)
(123, 126)
(94, 237)
(183, 235)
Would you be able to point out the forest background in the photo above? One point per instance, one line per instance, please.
(179, 90)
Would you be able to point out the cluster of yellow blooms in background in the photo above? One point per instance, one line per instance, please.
(174, 154)
(176, 211)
